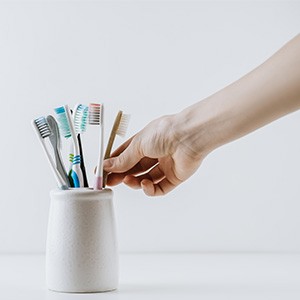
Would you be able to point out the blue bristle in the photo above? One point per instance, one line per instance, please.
(63, 121)
(59, 110)
(84, 118)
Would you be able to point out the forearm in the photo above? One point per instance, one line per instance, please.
(270, 91)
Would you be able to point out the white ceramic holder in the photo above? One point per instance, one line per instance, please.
(81, 252)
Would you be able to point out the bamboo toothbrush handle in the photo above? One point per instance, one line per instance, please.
(113, 134)
(111, 140)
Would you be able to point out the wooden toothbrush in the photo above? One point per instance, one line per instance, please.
(119, 128)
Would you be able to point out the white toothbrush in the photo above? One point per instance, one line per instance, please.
(80, 117)
(96, 118)
(43, 131)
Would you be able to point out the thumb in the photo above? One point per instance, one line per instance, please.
(125, 161)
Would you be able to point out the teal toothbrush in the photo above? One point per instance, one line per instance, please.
(68, 130)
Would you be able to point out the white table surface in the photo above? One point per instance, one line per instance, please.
(168, 276)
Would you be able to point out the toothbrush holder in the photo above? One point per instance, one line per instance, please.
(81, 251)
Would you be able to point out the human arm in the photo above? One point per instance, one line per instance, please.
(170, 149)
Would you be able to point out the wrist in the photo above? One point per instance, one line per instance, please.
(202, 127)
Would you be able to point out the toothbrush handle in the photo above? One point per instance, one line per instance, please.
(70, 177)
(71, 156)
(60, 167)
(111, 140)
(60, 181)
(105, 174)
(98, 183)
(76, 173)
(82, 165)
(107, 154)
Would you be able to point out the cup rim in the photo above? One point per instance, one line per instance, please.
(80, 192)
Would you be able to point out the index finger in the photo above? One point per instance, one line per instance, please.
(122, 147)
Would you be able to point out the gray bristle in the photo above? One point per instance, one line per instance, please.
(95, 114)
(43, 127)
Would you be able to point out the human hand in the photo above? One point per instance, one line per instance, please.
(155, 159)
(170, 149)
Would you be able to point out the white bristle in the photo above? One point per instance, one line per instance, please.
(80, 118)
(123, 125)
(43, 127)
(95, 114)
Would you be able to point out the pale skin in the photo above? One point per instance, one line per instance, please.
(170, 149)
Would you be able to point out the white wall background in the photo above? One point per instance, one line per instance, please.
(149, 59)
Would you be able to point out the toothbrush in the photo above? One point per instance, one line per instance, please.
(80, 117)
(71, 156)
(68, 130)
(119, 128)
(96, 118)
(43, 131)
(56, 144)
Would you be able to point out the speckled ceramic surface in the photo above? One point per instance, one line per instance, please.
(81, 252)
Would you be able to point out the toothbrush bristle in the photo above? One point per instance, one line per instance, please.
(123, 125)
(63, 121)
(81, 118)
(43, 127)
(95, 114)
